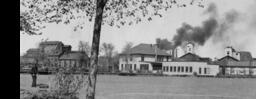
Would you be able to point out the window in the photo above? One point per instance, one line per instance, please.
(170, 68)
(178, 68)
(199, 70)
(144, 66)
(142, 58)
(174, 68)
(167, 68)
(186, 69)
(205, 71)
(182, 69)
(122, 66)
(134, 66)
(190, 69)
(163, 68)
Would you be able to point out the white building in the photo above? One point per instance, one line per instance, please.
(143, 58)
(190, 64)
(230, 51)
(237, 63)
(190, 68)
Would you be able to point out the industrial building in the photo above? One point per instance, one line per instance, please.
(190, 64)
(237, 63)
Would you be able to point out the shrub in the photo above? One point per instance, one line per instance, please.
(66, 83)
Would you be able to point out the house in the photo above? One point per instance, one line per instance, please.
(54, 53)
(74, 59)
(190, 64)
(143, 58)
(54, 49)
(237, 63)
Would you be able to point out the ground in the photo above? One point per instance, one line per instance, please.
(151, 87)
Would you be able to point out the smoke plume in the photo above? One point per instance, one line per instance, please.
(212, 27)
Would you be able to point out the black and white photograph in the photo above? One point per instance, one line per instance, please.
(137, 49)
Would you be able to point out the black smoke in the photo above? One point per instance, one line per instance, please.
(213, 26)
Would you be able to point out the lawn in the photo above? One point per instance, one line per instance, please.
(152, 87)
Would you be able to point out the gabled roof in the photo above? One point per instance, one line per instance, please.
(245, 56)
(228, 58)
(193, 57)
(146, 49)
(74, 55)
(224, 60)
(190, 57)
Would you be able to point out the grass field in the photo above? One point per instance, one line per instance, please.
(151, 87)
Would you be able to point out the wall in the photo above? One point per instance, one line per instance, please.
(213, 69)
(133, 64)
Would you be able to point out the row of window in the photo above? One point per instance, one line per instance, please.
(206, 70)
(134, 67)
(177, 69)
(127, 66)
(142, 58)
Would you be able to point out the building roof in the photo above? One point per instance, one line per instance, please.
(192, 57)
(225, 60)
(67, 46)
(239, 63)
(245, 56)
(33, 50)
(146, 49)
(228, 58)
(74, 55)
(51, 42)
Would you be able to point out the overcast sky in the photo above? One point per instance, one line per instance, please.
(241, 36)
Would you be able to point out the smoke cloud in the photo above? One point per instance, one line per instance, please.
(212, 27)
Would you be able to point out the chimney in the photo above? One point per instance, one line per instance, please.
(155, 52)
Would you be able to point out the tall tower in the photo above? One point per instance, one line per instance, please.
(229, 51)
(190, 47)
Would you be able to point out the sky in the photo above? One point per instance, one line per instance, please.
(241, 34)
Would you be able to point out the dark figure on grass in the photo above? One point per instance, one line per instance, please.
(33, 72)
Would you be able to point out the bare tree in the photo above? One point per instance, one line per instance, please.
(108, 49)
(84, 47)
(115, 61)
(112, 12)
(126, 51)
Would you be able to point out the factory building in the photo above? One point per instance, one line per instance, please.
(190, 64)
(237, 63)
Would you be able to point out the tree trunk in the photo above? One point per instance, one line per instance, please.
(91, 85)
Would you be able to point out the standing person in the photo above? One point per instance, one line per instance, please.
(34, 72)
